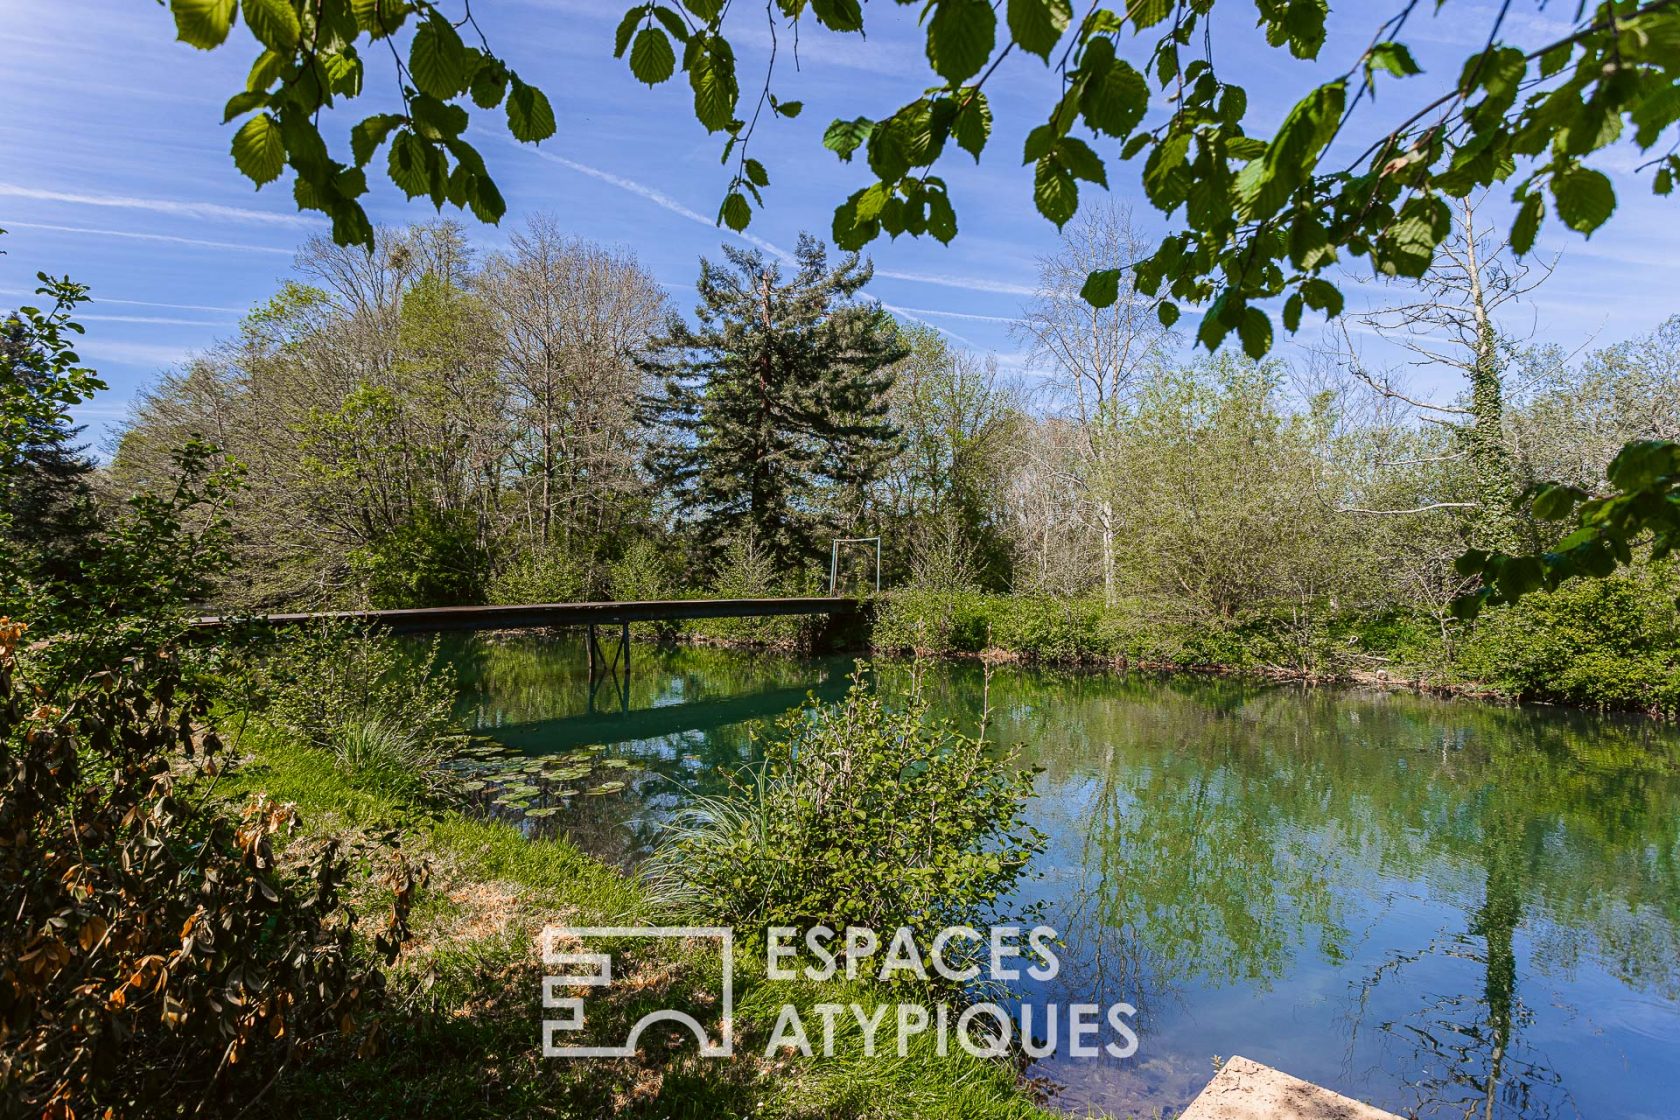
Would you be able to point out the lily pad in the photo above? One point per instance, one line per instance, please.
(539, 814)
(606, 787)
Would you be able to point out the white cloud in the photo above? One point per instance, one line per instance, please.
(659, 199)
(966, 283)
(150, 237)
(132, 353)
(202, 211)
(957, 315)
(24, 292)
(158, 319)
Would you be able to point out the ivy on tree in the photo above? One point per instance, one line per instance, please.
(1642, 509)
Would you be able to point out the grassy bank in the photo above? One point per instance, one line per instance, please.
(1611, 643)
(468, 1040)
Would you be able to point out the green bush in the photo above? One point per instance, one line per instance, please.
(433, 559)
(1603, 643)
(552, 576)
(383, 711)
(162, 956)
(863, 813)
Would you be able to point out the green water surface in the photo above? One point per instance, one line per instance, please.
(1445, 908)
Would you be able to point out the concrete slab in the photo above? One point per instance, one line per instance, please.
(1246, 1090)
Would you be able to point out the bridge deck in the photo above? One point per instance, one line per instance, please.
(533, 615)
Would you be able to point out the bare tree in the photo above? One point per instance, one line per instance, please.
(1094, 356)
(1452, 326)
(572, 316)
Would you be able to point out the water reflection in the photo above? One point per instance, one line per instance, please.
(1448, 909)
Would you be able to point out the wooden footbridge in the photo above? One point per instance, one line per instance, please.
(535, 616)
(530, 616)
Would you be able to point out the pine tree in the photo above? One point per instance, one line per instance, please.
(777, 403)
(46, 503)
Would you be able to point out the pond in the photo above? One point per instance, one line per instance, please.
(1442, 907)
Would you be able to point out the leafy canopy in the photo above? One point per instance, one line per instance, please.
(307, 60)
(1260, 217)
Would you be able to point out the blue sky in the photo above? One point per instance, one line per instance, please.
(114, 169)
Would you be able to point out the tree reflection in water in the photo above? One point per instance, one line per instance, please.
(1449, 909)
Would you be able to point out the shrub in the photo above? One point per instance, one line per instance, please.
(383, 711)
(1613, 642)
(862, 813)
(433, 559)
(159, 958)
(552, 576)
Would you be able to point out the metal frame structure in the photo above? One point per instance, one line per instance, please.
(834, 560)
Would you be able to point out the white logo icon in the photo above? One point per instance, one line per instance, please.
(597, 972)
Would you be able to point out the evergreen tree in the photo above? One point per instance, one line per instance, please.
(776, 404)
(46, 503)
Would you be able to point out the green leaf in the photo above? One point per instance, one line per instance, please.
(1255, 330)
(844, 137)
(1115, 99)
(1642, 462)
(1322, 295)
(711, 75)
(258, 150)
(380, 18)
(202, 23)
(1101, 287)
(838, 15)
(735, 214)
(1292, 313)
(438, 61)
(242, 103)
(437, 120)
(960, 37)
(366, 136)
(756, 175)
(530, 117)
(1081, 161)
(1396, 58)
(273, 22)
(1554, 502)
(1037, 25)
(789, 109)
(489, 85)
(627, 27)
(410, 164)
(1407, 248)
(1147, 13)
(942, 218)
(1585, 199)
(1054, 191)
(1167, 312)
(651, 58)
(972, 125)
(1527, 225)
(268, 67)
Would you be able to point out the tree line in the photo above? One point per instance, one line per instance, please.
(426, 425)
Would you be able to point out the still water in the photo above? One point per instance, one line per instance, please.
(1444, 908)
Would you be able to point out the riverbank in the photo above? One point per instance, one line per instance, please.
(466, 1041)
(1610, 644)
